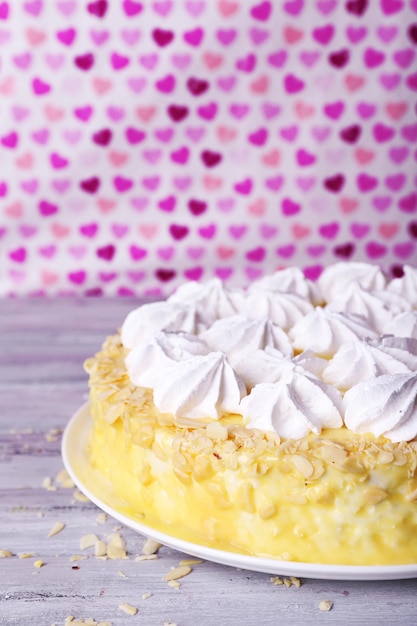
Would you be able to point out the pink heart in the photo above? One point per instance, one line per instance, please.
(309, 58)
(72, 136)
(239, 111)
(294, 7)
(207, 232)
(139, 203)
(119, 61)
(277, 59)
(195, 8)
(321, 133)
(359, 230)
(195, 252)
(387, 33)
(226, 36)
(287, 251)
(390, 81)
(289, 133)
(375, 250)
(305, 183)
(223, 272)
(181, 61)
(61, 186)
(130, 37)
(27, 230)
(389, 7)
(326, 6)
(395, 182)
(22, 60)
(404, 58)
(115, 113)
(48, 251)
(409, 132)
(225, 204)
(4, 36)
(355, 34)
(122, 184)
(18, 255)
(182, 183)
(244, 187)
(365, 110)
(324, 34)
(164, 134)
(20, 113)
(33, 8)
(262, 11)
(404, 250)
(41, 136)
(237, 231)
(149, 61)
(162, 8)
(408, 204)
(195, 134)
(29, 186)
(258, 35)
(293, 84)
(398, 154)
(99, 37)
(270, 110)
(67, 7)
(151, 182)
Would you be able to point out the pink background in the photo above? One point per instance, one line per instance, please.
(147, 143)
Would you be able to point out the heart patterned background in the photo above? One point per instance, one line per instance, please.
(145, 143)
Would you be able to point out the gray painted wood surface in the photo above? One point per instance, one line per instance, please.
(43, 344)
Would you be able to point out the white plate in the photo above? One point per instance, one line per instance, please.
(99, 491)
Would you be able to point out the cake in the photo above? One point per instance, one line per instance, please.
(278, 420)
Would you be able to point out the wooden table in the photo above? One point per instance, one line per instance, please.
(43, 344)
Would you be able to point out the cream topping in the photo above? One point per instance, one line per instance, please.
(293, 408)
(283, 309)
(335, 278)
(384, 406)
(323, 331)
(212, 299)
(406, 286)
(402, 325)
(288, 280)
(199, 387)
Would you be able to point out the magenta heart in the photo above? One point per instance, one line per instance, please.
(3, 189)
(290, 207)
(261, 11)
(286, 252)
(412, 229)
(194, 273)
(137, 253)
(77, 278)
(289, 133)
(40, 87)
(226, 36)
(224, 273)
(103, 137)
(178, 231)
(329, 231)
(258, 137)
(408, 204)
(115, 113)
(23, 60)
(90, 185)
(18, 255)
(344, 250)
(359, 230)
(270, 110)
(84, 61)
(409, 132)
(247, 63)
(119, 61)
(4, 11)
(207, 232)
(355, 34)
(334, 110)
(411, 81)
(98, 8)
(321, 133)
(326, 6)
(309, 58)
(162, 38)
(194, 37)
(373, 58)
(167, 204)
(181, 155)
(256, 254)
(323, 34)
(48, 251)
(316, 251)
(275, 183)
(404, 250)
(294, 7)
(399, 154)
(47, 208)
(177, 112)
(106, 252)
(383, 133)
(395, 182)
(239, 111)
(258, 35)
(164, 134)
(197, 86)
(29, 186)
(375, 250)
(313, 272)
(277, 59)
(107, 277)
(61, 186)
(334, 183)
(165, 275)
(134, 135)
(389, 7)
(244, 187)
(122, 184)
(166, 84)
(210, 158)
(84, 113)
(41, 136)
(132, 8)
(357, 7)
(340, 58)
(293, 84)
(197, 207)
(67, 36)
(404, 58)
(208, 111)
(366, 182)
(89, 230)
(412, 33)
(57, 161)
(387, 33)
(381, 203)
(11, 140)
(226, 83)
(351, 134)
(365, 110)
(305, 158)
(390, 81)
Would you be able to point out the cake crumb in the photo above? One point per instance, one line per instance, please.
(25, 555)
(56, 528)
(151, 546)
(146, 557)
(39, 563)
(128, 608)
(326, 605)
(174, 583)
(146, 596)
(178, 572)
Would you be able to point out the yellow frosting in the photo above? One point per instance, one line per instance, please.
(336, 498)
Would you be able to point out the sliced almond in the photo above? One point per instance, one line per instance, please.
(56, 528)
(128, 608)
(178, 572)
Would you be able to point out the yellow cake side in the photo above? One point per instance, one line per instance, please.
(336, 498)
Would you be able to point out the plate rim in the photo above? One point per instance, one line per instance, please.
(81, 421)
